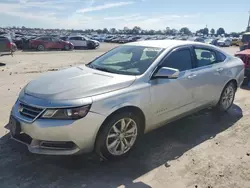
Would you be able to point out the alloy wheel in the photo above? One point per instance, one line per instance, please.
(227, 97)
(121, 136)
(40, 47)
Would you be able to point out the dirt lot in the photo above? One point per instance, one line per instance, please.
(205, 150)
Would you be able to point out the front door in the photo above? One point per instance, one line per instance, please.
(74, 41)
(83, 42)
(173, 97)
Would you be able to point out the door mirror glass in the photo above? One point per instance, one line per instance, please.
(166, 72)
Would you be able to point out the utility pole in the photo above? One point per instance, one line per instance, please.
(248, 25)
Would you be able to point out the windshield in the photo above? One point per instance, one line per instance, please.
(128, 60)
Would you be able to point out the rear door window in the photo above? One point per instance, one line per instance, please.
(205, 57)
(75, 38)
(44, 38)
(221, 57)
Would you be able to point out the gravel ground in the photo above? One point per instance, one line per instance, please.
(205, 150)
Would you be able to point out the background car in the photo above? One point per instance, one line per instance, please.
(236, 41)
(43, 43)
(224, 42)
(245, 57)
(245, 41)
(196, 39)
(211, 41)
(83, 42)
(7, 47)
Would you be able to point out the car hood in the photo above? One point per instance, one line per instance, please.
(75, 83)
(67, 42)
(95, 41)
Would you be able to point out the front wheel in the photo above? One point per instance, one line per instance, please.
(118, 136)
(227, 97)
(40, 47)
(66, 47)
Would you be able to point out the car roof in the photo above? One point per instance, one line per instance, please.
(164, 43)
(244, 52)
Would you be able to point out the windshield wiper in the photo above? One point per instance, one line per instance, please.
(102, 69)
(99, 68)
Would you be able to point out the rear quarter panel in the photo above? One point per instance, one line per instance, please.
(235, 70)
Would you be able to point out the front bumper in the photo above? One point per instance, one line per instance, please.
(58, 137)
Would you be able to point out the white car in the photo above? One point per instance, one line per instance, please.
(224, 42)
(83, 42)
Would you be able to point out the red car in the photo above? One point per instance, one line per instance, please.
(43, 43)
(245, 57)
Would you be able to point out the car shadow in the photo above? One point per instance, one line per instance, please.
(2, 64)
(19, 168)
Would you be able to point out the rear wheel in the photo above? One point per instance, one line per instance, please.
(40, 47)
(118, 136)
(227, 97)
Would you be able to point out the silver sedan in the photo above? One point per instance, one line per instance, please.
(106, 105)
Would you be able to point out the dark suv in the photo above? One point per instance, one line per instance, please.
(245, 57)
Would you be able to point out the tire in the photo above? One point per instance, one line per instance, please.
(227, 97)
(66, 47)
(118, 145)
(40, 47)
(91, 46)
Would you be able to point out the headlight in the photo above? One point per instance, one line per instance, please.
(67, 113)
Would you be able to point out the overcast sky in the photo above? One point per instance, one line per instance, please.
(147, 14)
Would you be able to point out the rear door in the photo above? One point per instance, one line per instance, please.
(82, 42)
(46, 42)
(74, 41)
(210, 75)
(57, 43)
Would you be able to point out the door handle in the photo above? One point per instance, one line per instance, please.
(192, 76)
(219, 69)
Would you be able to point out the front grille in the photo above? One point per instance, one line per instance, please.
(29, 111)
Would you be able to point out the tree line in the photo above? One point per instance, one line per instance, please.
(137, 30)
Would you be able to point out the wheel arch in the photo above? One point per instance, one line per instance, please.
(232, 81)
(129, 108)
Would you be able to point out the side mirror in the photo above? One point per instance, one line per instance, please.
(166, 72)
